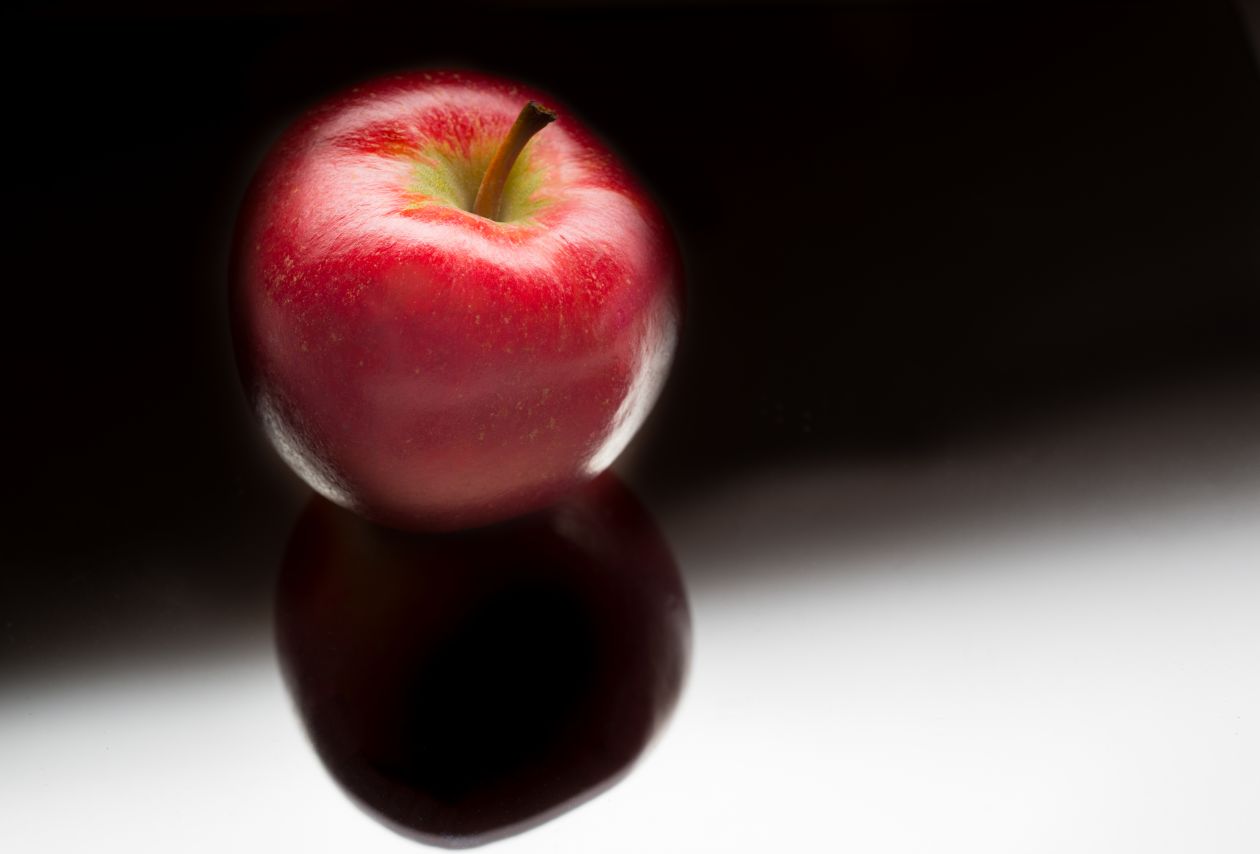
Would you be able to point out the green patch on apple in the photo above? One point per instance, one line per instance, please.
(445, 175)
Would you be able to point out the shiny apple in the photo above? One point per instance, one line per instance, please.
(449, 309)
(464, 687)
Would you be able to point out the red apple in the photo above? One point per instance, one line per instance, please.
(428, 366)
(463, 687)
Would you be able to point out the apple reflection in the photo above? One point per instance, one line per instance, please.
(466, 687)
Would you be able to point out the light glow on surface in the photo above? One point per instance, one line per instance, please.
(1042, 644)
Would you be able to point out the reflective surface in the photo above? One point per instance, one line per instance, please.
(466, 687)
(960, 456)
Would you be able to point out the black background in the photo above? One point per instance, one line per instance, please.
(905, 226)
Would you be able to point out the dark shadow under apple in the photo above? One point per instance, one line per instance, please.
(465, 687)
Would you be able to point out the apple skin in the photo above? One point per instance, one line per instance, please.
(466, 687)
(429, 368)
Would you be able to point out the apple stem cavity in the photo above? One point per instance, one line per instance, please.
(533, 118)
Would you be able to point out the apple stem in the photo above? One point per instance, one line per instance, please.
(533, 118)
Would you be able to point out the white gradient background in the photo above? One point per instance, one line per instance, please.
(1043, 643)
